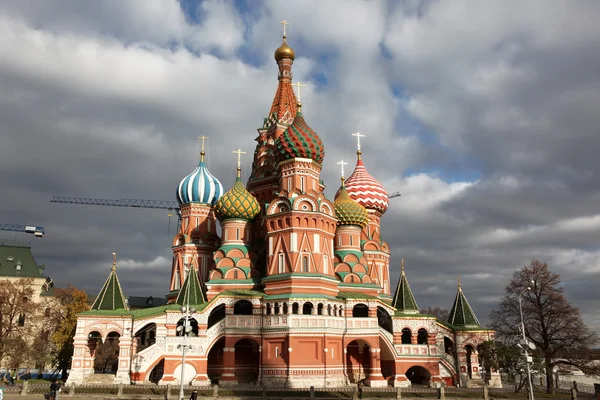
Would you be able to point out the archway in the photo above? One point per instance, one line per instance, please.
(387, 361)
(422, 336)
(470, 350)
(242, 307)
(107, 355)
(406, 336)
(215, 361)
(384, 319)
(193, 323)
(157, 372)
(448, 345)
(358, 360)
(246, 360)
(146, 336)
(360, 311)
(307, 308)
(216, 315)
(418, 375)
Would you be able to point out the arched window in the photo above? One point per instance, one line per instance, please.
(307, 308)
(47, 312)
(329, 309)
(235, 274)
(406, 336)
(242, 307)
(320, 309)
(44, 336)
(276, 308)
(21, 321)
(351, 278)
(295, 308)
(216, 315)
(448, 345)
(305, 264)
(422, 336)
(360, 311)
(268, 308)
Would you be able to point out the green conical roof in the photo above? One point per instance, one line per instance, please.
(237, 203)
(462, 314)
(191, 288)
(111, 296)
(348, 211)
(404, 300)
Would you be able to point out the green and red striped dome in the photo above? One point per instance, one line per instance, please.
(300, 141)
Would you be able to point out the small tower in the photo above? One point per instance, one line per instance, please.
(404, 299)
(350, 264)
(371, 194)
(197, 238)
(235, 262)
(111, 295)
(191, 291)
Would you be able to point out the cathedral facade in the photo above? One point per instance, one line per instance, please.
(294, 290)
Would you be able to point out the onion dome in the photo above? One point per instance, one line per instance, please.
(237, 203)
(348, 211)
(300, 141)
(200, 186)
(284, 51)
(366, 190)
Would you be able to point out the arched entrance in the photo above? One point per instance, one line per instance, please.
(470, 350)
(387, 361)
(418, 375)
(157, 372)
(246, 360)
(106, 360)
(146, 336)
(358, 360)
(215, 361)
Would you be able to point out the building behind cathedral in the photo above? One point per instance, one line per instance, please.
(294, 291)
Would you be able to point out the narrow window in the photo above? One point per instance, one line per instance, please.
(339, 240)
(289, 184)
(281, 263)
(305, 264)
(237, 234)
(197, 222)
(235, 274)
(332, 356)
(276, 352)
(325, 264)
(302, 184)
(21, 321)
(352, 279)
(351, 240)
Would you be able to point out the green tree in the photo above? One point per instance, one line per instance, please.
(70, 301)
(551, 322)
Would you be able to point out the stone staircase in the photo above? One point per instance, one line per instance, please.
(99, 379)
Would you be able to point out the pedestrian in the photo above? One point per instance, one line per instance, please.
(11, 377)
(194, 395)
(54, 389)
(360, 388)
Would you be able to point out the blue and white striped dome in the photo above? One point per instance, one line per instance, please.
(199, 187)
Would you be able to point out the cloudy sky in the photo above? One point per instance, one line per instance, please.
(484, 117)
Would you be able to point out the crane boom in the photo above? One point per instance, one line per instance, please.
(160, 204)
(396, 194)
(36, 230)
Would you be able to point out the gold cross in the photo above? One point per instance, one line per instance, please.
(239, 153)
(284, 23)
(298, 86)
(358, 136)
(203, 138)
(114, 266)
(342, 163)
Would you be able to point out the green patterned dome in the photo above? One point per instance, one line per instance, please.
(348, 211)
(300, 141)
(237, 203)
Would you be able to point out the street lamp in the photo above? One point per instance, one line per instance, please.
(184, 330)
(526, 343)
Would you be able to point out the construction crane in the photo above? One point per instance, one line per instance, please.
(395, 194)
(160, 204)
(38, 231)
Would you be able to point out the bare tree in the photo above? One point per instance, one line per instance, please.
(17, 312)
(438, 312)
(551, 322)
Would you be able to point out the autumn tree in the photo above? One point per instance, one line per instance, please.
(437, 312)
(17, 311)
(551, 322)
(69, 302)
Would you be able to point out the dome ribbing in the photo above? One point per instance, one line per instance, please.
(348, 211)
(300, 141)
(237, 203)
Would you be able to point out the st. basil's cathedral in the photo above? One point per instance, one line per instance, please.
(294, 291)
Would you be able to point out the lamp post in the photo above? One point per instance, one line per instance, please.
(185, 330)
(526, 344)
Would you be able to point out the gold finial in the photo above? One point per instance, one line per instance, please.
(402, 265)
(114, 266)
(342, 163)
(203, 138)
(284, 23)
(298, 86)
(459, 288)
(239, 153)
(358, 136)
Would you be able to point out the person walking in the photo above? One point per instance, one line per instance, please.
(360, 388)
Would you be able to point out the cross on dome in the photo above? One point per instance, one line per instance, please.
(298, 86)
(358, 136)
(284, 23)
(114, 266)
(239, 153)
(342, 163)
(201, 140)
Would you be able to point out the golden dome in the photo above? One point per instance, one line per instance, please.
(284, 51)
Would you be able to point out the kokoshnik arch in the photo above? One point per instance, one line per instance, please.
(295, 290)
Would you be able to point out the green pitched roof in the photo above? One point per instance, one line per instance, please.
(191, 291)
(111, 296)
(462, 314)
(17, 261)
(404, 300)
